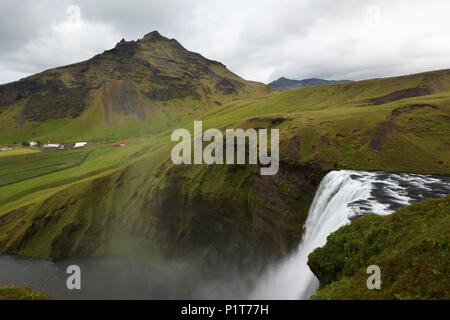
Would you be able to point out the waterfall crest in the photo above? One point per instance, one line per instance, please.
(341, 196)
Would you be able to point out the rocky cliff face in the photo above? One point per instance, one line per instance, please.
(215, 215)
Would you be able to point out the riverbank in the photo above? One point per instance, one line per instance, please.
(21, 293)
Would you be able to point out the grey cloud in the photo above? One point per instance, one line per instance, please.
(257, 39)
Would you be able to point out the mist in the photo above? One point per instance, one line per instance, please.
(120, 278)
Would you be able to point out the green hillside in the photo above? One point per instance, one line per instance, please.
(411, 247)
(393, 124)
(101, 200)
(137, 88)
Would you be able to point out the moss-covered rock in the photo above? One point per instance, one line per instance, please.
(21, 293)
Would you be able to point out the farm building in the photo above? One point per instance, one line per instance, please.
(52, 145)
(33, 144)
(79, 144)
(121, 144)
(5, 148)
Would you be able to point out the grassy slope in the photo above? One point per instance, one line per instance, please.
(75, 203)
(334, 125)
(411, 246)
(92, 122)
(21, 293)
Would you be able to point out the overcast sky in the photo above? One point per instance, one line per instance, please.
(259, 40)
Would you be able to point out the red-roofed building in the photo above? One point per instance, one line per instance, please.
(52, 145)
(121, 144)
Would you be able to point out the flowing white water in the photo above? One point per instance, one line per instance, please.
(342, 195)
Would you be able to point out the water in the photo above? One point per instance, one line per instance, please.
(341, 196)
(105, 278)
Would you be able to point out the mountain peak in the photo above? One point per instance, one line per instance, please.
(149, 38)
(153, 36)
(132, 78)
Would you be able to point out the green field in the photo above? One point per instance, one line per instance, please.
(17, 151)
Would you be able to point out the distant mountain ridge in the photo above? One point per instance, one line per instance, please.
(288, 84)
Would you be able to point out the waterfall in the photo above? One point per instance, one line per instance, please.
(341, 196)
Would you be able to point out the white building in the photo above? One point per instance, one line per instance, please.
(33, 144)
(79, 144)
